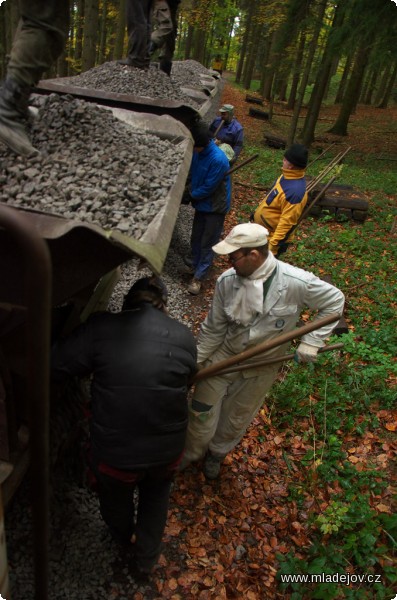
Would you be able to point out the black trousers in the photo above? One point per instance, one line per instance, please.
(144, 517)
(139, 30)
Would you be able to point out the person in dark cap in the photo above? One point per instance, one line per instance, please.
(228, 130)
(210, 195)
(140, 361)
(280, 211)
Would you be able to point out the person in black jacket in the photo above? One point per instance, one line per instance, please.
(141, 361)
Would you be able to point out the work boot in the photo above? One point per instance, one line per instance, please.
(188, 260)
(194, 287)
(165, 66)
(130, 62)
(187, 270)
(212, 465)
(125, 61)
(152, 48)
(13, 115)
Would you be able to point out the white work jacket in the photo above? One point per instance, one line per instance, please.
(291, 290)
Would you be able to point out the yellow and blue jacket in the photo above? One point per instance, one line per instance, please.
(280, 210)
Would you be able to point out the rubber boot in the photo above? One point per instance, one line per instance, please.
(13, 115)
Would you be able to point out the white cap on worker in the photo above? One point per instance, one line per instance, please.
(227, 108)
(246, 235)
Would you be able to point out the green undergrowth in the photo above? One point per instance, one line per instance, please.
(336, 403)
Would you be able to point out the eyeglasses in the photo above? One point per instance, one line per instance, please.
(234, 259)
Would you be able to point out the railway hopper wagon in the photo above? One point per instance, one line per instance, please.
(105, 188)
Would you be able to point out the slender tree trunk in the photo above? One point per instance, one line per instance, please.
(371, 87)
(103, 34)
(265, 59)
(251, 58)
(389, 88)
(352, 93)
(229, 41)
(296, 72)
(246, 37)
(383, 84)
(321, 82)
(90, 34)
(120, 32)
(79, 35)
(270, 71)
(344, 78)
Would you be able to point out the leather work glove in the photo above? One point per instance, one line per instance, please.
(306, 353)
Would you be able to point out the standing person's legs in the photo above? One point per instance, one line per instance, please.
(39, 40)
(139, 30)
(162, 17)
(240, 406)
(168, 49)
(211, 233)
(116, 503)
(204, 411)
(154, 491)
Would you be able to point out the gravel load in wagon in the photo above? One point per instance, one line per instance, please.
(92, 167)
(113, 77)
(189, 73)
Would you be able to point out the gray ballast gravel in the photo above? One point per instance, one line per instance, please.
(113, 77)
(92, 167)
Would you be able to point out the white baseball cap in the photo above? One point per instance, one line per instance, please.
(246, 235)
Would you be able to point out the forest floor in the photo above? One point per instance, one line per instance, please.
(224, 538)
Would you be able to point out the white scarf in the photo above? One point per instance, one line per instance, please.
(249, 297)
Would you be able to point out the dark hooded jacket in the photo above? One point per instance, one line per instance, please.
(140, 361)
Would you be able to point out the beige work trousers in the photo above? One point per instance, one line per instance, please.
(234, 401)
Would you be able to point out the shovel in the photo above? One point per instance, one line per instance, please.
(264, 347)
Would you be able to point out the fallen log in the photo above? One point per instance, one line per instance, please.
(258, 114)
(275, 142)
(254, 100)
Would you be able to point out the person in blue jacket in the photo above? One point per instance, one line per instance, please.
(231, 131)
(210, 195)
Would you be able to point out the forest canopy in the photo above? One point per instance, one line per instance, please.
(285, 50)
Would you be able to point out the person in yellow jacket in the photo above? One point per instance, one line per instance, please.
(279, 212)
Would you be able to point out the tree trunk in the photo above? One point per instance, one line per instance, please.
(344, 79)
(371, 87)
(296, 72)
(79, 23)
(251, 56)
(120, 32)
(383, 83)
(265, 58)
(352, 93)
(229, 40)
(246, 37)
(103, 32)
(389, 88)
(189, 42)
(90, 34)
(321, 81)
(305, 78)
